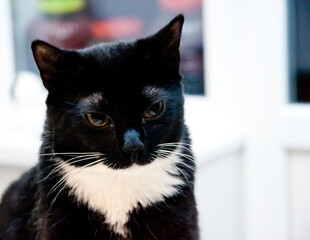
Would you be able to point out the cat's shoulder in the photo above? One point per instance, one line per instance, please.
(20, 188)
(16, 205)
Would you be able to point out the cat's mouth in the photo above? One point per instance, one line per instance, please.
(132, 165)
(127, 162)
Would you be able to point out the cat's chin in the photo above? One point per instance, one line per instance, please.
(134, 166)
(132, 170)
(127, 163)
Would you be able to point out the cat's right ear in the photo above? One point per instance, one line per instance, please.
(49, 60)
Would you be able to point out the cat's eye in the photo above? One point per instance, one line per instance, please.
(98, 119)
(154, 111)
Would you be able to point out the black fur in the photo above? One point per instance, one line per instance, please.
(118, 72)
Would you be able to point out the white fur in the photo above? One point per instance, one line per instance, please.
(116, 193)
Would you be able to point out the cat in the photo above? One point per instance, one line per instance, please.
(115, 160)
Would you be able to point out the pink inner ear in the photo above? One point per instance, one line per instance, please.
(175, 29)
(172, 35)
(46, 57)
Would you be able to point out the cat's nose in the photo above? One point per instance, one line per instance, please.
(132, 144)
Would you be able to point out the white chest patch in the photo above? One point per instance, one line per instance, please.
(115, 193)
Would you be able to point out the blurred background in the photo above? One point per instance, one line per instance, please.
(246, 67)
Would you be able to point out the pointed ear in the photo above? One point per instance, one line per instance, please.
(169, 37)
(48, 59)
(161, 50)
(60, 70)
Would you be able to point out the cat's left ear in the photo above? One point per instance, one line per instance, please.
(169, 37)
(163, 46)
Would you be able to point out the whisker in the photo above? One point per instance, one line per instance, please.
(187, 166)
(184, 175)
(89, 155)
(71, 162)
(77, 169)
(192, 167)
(180, 170)
(176, 145)
(63, 179)
(89, 164)
(84, 167)
(70, 153)
(189, 157)
(151, 232)
(63, 187)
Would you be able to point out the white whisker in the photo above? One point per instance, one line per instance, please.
(58, 167)
(187, 166)
(185, 146)
(189, 184)
(174, 143)
(189, 157)
(63, 179)
(70, 153)
(177, 146)
(78, 169)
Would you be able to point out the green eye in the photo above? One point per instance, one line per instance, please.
(154, 111)
(98, 119)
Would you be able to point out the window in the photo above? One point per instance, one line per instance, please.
(299, 35)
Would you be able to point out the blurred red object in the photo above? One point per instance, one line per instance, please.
(180, 5)
(65, 33)
(116, 28)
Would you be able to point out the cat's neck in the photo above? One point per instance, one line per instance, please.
(116, 193)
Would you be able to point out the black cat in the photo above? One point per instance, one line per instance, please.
(115, 162)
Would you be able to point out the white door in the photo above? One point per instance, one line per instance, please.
(260, 190)
(277, 133)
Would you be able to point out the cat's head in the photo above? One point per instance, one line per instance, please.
(119, 99)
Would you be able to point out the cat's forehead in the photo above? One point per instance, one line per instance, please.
(121, 75)
(149, 92)
(109, 54)
(116, 65)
